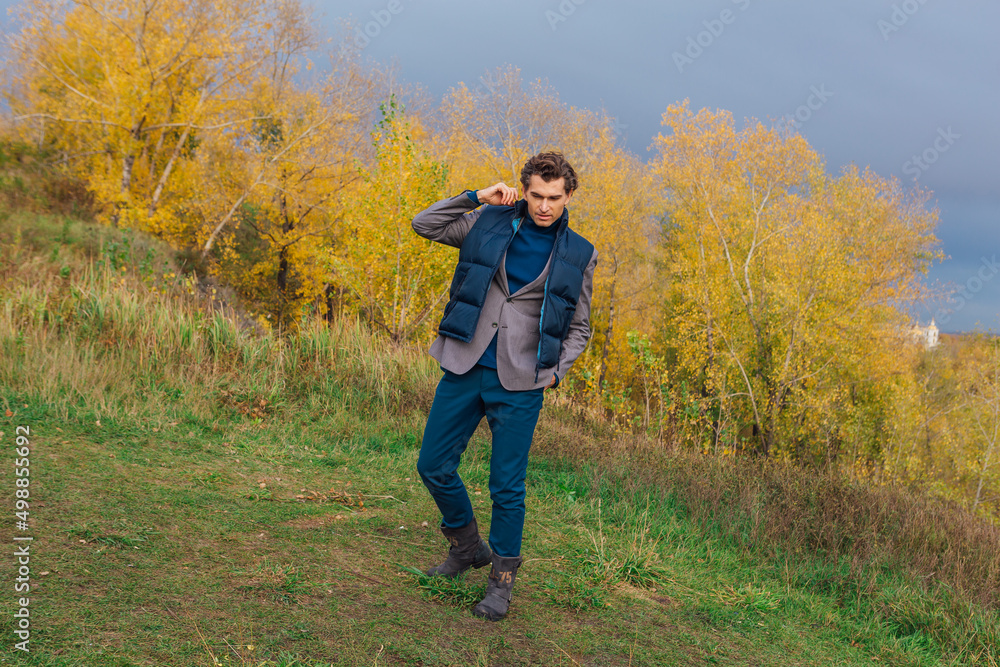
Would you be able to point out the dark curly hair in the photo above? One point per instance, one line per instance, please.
(550, 166)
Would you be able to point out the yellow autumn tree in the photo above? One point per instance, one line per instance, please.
(978, 420)
(274, 192)
(127, 91)
(396, 279)
(615, 209)
(785, 309)
(488, 131)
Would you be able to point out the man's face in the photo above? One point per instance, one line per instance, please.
(546, 199)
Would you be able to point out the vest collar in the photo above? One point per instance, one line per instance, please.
(521, 213)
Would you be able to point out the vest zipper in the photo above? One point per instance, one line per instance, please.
(541, 316)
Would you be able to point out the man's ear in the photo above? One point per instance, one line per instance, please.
(569, 195)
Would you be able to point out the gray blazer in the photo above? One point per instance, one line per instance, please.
(513, 317)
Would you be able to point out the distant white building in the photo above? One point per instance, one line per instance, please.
(927, 335)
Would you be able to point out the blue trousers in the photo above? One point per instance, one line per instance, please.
(460, 403)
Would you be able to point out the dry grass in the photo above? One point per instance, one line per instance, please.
(120, 343)
(779, 508)
(28, 182)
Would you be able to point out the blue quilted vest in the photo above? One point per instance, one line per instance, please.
(479, 259)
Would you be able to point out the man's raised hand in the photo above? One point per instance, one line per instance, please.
(499, 194)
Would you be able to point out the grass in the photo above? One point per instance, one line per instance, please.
(151, 568)
(205, 494)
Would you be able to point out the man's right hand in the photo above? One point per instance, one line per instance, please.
(499, 194)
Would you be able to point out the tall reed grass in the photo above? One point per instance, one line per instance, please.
(85, 337)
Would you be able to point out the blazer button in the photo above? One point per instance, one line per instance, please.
(494, 325)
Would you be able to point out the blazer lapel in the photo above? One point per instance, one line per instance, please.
(502, 275)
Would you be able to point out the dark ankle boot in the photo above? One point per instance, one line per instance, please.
(499, 590)
(467, 550)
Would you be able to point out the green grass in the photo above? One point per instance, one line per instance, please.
(148, 566)
(205, 494)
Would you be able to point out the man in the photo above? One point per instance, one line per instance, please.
(517, 319)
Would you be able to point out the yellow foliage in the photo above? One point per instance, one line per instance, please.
(127, 90)
(396, 278)
(785, 305)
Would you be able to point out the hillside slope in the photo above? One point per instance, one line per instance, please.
(205, 494)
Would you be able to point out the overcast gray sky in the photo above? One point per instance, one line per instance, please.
(907, 87)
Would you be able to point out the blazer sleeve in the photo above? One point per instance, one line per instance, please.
(449, 220)
(579, 328)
